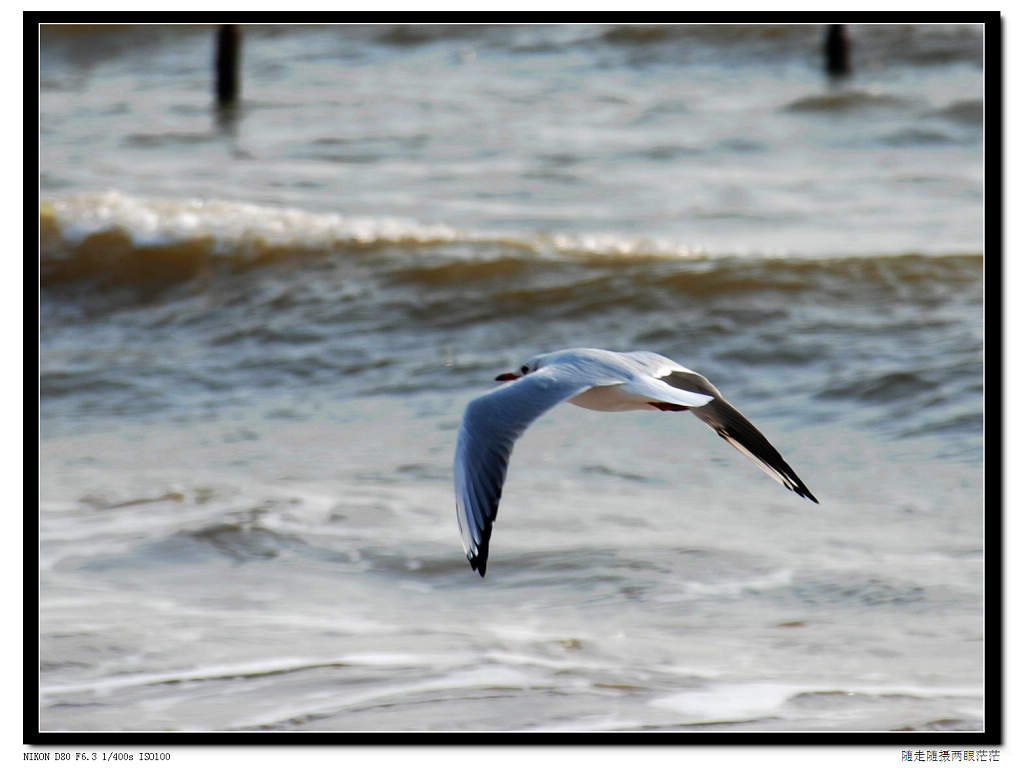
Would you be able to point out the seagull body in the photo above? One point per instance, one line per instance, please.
(590, 378)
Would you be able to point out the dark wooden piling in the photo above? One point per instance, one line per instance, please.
(837, 50)
(227, 58)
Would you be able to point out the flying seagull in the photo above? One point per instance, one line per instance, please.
(590, 378)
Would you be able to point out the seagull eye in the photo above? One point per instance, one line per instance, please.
(525, 369)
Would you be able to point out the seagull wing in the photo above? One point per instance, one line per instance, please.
(490, 426)
(733, 427)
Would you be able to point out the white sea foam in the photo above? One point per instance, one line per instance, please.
(258, 667)
(693, 590)
(730, 702)
(155, 222)
(476, 678)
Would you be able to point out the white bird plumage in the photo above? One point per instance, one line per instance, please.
(590, 378)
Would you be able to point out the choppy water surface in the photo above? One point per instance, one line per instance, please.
(258, 332)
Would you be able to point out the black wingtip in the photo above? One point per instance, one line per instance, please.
(478, 562)
(804, 492)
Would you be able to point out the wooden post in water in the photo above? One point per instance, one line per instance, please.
(229, 49)
(837, 50)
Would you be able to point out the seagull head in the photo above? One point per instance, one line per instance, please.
(529, 366)
(512, 375)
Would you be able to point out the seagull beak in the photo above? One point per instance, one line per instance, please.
(506, 376)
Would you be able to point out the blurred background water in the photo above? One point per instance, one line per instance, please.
(259, 327)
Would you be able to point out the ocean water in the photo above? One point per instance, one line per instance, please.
(259, 327)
